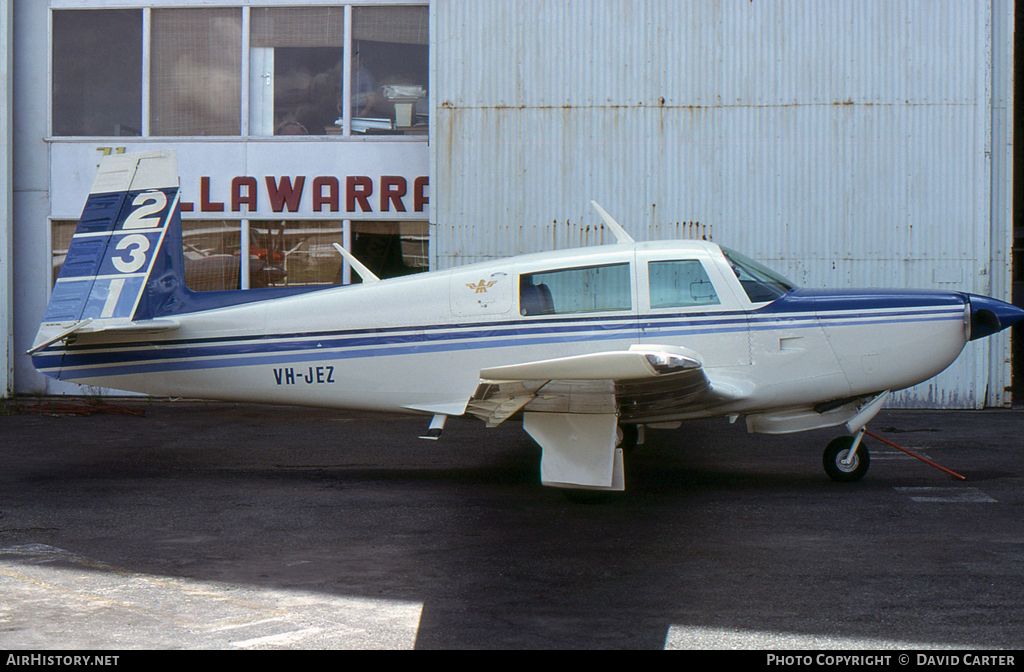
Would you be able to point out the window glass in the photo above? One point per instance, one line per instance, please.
(759, 282)
(289, 253)
(196, 72)
(295, 72)
(282, 253)
(388, 87)
(211, 252)
(97, 72)
(576, 290)
(61, 232)
(682, 283)
(212, 255)
(391, 249)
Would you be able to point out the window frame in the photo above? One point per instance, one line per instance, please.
(650, 263)
(245, 8)
(713, 268)
(630, 274)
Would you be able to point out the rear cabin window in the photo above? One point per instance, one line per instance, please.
(680, 284)
(589, 289)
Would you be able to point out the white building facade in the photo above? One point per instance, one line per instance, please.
(845, 143)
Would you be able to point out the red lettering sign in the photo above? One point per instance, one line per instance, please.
(392, 189)
(205, 204)
(249, 199)
(358, 188)
(283, 193)
(418, 198)
(331, 199)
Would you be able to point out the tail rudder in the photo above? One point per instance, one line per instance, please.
(131, 212)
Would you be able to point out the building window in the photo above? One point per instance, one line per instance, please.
(196, 72)
(212, 255)
(282, 253)
(391, 249)
(297, 57)
(297, 62)
(61, 232)
(289, 253)
(97, 72)
(390, 49)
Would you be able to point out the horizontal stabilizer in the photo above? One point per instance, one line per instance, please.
(55, 335)
(137, 327)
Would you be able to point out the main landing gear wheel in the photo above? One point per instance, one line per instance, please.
(836, 452)
(627, 438)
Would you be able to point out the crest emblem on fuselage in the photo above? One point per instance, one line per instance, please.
(482, 286)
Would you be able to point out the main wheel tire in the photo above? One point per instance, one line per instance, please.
(836, 452)
(627, 438)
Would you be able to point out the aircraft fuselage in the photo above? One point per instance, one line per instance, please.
(417, 343)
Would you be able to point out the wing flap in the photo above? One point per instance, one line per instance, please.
(643, 383)
(496, 402)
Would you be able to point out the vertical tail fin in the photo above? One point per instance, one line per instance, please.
(125, 267)
(132, 207)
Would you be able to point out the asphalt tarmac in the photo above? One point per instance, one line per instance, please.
(224, 526)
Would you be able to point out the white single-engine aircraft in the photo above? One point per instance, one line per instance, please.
(588, 344)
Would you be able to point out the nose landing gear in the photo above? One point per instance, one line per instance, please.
(846, 458)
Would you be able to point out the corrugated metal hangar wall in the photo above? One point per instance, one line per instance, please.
(844, 143)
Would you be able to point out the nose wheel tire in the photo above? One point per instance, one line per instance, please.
(836, 452)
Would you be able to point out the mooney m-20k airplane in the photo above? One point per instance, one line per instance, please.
(587, 344)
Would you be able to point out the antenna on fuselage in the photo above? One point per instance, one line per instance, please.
(364, 273)
(620, 233)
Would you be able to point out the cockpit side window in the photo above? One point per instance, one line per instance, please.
(680, 284)
(759, 282)
(576, 290)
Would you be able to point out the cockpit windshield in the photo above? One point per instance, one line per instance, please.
(759, 282)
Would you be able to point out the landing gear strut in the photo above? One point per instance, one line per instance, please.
(837, 461)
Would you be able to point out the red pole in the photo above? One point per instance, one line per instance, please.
(926, 461)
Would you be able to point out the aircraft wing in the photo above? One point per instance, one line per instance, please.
(642, 383)
(572, 405)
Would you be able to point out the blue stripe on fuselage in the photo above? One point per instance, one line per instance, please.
(798, 309)
(869, 300)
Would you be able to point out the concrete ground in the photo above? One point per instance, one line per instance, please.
(228, 526)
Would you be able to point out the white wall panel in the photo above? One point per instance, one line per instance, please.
(846, 143)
